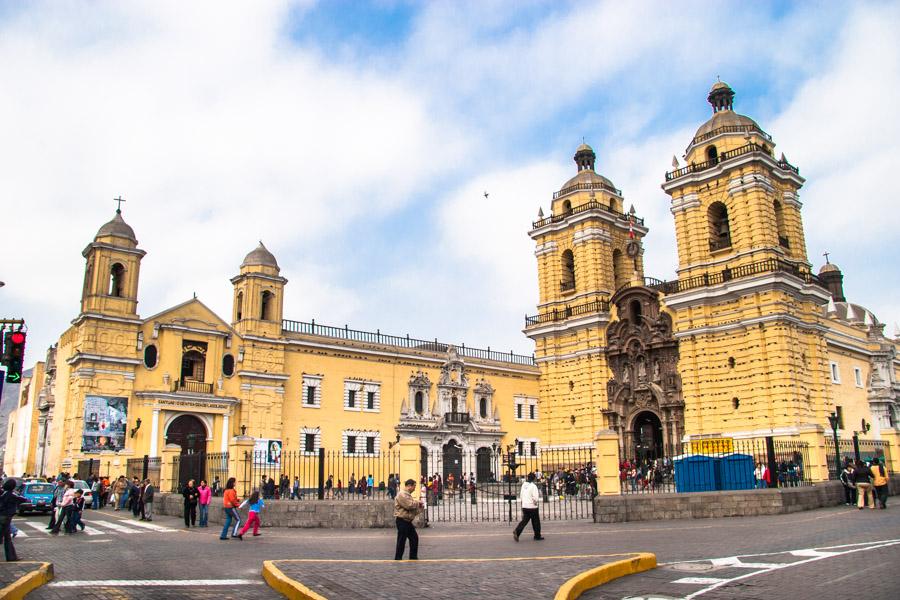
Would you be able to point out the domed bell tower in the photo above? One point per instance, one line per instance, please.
(747, 307)
(112, 271)
(586, 249)
(259, 294)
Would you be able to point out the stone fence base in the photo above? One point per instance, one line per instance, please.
(706, 505)
(298, 513)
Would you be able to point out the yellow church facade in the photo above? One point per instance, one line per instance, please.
(747, 342)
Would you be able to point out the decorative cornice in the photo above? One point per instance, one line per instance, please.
(102, 317)
(617, 221)
(187, 398)
(258, 375)
(589, 234)
(792, 199)
(685, 202)
(734, 289)
(727, 165)
(567, 326)
(746, 183)
(78, 357)
(545, 248)
(780, 317)
(199, 330)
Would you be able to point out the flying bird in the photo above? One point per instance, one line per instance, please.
(486, 195)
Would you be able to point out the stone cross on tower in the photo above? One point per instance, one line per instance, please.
(120, 200)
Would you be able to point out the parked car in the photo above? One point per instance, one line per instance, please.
(39, 497)
(85, 488)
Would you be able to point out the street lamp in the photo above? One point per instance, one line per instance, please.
(833, 421)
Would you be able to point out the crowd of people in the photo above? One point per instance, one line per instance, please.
(865, 483)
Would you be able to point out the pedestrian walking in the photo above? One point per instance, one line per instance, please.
(149, 492)
(204, 498)
(118, 494)
(77, 511)
(295, 489)
(370, 485)
(136, 489)
(880, 482)
(191, 495)
(64, 509)
(846, 478)
(55, 502)
(96, 490)
(862, 477)
(405, 510)
(529, 496)
(230, 504)
(255, 505)
(9, 506)
(329, 486)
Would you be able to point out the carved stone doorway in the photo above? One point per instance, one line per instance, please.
(648, 436)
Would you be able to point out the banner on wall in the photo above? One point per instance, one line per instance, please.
(267, 452)
(105, 419)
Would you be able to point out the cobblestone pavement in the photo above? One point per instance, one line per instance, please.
(9, 572)
(173, 561)
(535, 577)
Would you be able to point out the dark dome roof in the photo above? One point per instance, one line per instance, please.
(587, 176)
(117, 227)
(260, 256)
(724, 118)
(828, 268)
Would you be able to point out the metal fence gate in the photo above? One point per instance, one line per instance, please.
(147, 467)
(464, 486)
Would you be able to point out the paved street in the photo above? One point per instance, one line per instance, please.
(120, 558)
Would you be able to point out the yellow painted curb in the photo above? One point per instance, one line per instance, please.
(591, 578)
(283, 584)
(28, 582)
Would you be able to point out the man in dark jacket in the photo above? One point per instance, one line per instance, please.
(9, 505)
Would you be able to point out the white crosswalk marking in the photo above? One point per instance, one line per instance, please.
(699, 580)
(150, 526)
(39, 526)
(21, 534)
(91, 530)
(115, 526)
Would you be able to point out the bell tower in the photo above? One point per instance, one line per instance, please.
(112, 271)
(259, 294)
(586, 249)
(747, 307)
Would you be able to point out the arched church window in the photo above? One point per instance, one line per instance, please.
(636, 312)
(117, 280)
(779, 224)
(419, 403)
(620, 277)
(193, 366)
(239, 306)
(719, 227)
(265, 306)
(482, 408)
(567, 207)
(454, 404)
(568, 271)
(711, 155)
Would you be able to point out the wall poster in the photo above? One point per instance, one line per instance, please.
(267, 452)
(105, 419)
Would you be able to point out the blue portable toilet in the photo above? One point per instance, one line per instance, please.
(695, 473)
(735, 472)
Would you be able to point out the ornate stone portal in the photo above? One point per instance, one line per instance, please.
(646, 407)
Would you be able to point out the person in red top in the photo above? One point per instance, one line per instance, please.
(230, 505)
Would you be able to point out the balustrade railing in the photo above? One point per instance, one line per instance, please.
(376, 337)
(725, 156)
(560, 314)
(459, 418)
(193, 387)
(592, 205)
(771, 265)
(731, 129)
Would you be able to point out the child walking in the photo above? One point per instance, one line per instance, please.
(256, 504)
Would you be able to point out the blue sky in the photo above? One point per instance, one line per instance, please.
(356, 140)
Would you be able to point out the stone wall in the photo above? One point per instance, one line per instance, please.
(298, 513)
(705, 505)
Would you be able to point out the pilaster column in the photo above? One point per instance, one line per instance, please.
(606, 448)
(226, 433)
(410, 458)
(154, 433)
(814, 436)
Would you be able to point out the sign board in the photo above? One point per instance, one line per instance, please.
(713, 446)
(267, 452)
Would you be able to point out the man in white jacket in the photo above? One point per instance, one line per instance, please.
(530, 497)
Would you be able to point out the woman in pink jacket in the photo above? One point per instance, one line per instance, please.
(204, 499)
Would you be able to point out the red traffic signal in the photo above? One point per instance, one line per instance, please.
(17, 338)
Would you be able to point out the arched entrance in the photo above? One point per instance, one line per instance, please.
(484, 471)
(452, 460)
(189, 432)
(648, 436)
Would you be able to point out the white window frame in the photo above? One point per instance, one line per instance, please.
(316, 431)
(525, 402)
(361, 435)
(857, 374)
(311, 381)
(526, 447)
(835, 373)
(361, 398)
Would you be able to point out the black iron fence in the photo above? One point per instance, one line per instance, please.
(717, 464)
(868, 449)
(483, 485)
(199, 466)
(324, 474)
(87, 468)
(145, 467)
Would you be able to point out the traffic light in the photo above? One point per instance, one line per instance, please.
(13, 355)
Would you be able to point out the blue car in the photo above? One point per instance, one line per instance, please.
(39, 497)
